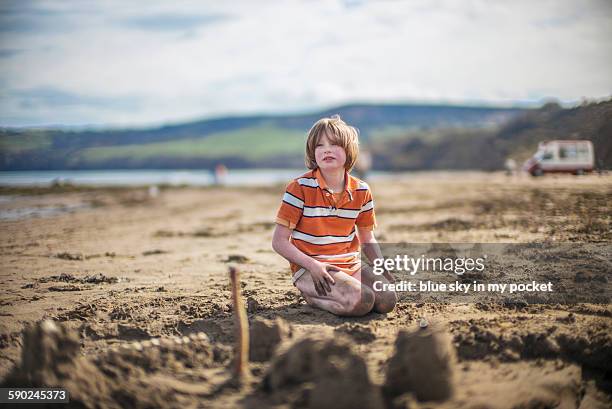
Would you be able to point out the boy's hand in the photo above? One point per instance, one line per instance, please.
(319, 272)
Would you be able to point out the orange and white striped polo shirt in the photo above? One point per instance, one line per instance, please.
(323, 223)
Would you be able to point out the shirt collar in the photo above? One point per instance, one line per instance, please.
(350, 183)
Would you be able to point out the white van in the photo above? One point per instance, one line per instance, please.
(575, 157)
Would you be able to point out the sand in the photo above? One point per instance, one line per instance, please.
(130, 282)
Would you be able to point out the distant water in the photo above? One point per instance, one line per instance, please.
(19, 213)
(238, 177)
(243, 177)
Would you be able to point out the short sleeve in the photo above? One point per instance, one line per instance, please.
(292, 206)
(366, 218)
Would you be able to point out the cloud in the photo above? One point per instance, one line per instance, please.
(9, 52)
(50, 97)
(29, 105)
(25, 17)
(173, 22)
(174, 62)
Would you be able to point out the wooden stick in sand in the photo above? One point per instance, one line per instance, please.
(241, 328)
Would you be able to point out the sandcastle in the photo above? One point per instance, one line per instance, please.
(311, 372)
(323, 373)
(116, 377)
(265, 336)
(423, 364)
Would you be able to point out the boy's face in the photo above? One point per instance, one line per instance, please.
(329, 156)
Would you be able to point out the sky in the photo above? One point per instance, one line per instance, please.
(133, 63)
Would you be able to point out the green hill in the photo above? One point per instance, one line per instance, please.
(487, 149)
(249, 141)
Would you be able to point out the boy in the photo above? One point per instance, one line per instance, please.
(325, 215)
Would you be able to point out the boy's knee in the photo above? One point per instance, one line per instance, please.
(360, 302)
(385, 302)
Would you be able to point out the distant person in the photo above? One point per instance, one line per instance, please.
(510, 166)
(363, 165)
(220, 174)
(153, 191)
(324, 216)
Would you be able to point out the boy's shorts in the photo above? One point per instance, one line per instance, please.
(298, 274)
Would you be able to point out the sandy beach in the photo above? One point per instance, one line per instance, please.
(118, 267)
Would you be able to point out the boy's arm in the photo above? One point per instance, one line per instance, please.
(369, 244)
(282, 245)
(317, 269)
(371, 248)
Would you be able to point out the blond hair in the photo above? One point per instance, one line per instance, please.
(339, 133)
